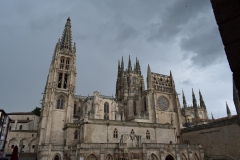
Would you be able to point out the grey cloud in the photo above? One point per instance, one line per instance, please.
(205, 47)
(187, 82)
(174, 18)
(125, 33)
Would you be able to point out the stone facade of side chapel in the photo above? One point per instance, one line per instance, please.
(138, 123)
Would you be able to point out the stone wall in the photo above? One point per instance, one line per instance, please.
(216, 138)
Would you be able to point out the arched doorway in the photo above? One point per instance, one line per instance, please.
(153, 157)
(196, 157)
(169, 157)
(57, 157)
(91, 157)
(109, 157)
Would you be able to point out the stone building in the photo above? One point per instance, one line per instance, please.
(138, 123)
(23, 133)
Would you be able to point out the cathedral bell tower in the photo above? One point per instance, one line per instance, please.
(58, 98)
(129, 88)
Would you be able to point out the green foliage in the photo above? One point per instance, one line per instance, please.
(37, 111)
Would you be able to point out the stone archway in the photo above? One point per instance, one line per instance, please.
(91, 157)
(109, 157)
(196, 157)
(57, 157)
(169, 157)
(152, 157)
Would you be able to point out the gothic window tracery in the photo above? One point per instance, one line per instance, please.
(65, 81)
(60, 102)
(106, 111)
(57, 157)
(60, 80)
(147, 135)
(67, 64)
(163, 103)
(115, 133)
(62, 60)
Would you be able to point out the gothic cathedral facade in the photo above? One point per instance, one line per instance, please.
(138, 123)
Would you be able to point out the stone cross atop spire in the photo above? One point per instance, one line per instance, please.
(66, 41)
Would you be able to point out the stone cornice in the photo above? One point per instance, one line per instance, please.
(119, 123)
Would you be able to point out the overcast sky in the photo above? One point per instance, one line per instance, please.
(177, 35)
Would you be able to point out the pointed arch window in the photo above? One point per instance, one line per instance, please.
(62, 60)
(75, 109)
(60, 77)
(76, 134)
(60, 102)
(106, 111)
(147, 135)
(132, 131)
(67, 64)
(65, 81)
(115, 133)
(57, 157)
(20, 127)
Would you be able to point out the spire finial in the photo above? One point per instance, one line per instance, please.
(66, 41)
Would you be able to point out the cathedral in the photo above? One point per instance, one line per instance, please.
(140, 122)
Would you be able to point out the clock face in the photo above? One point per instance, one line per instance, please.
(163, 103)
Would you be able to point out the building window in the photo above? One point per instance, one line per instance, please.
(132, 131)
(33, 146)
(28, 118)
(133, 80)
(65, 81)
(32, 135)
(23, 146)
(74, 109)
(60, 102)
(76, 134)
(62, 63)
(147, 135)
(20, 127)
(12, 146)
(106, 111)
(145, 104)
(60, 76)
(10, 127)
(115, 133)
(67, 64)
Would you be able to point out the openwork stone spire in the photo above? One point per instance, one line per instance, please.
(129, 64)
(66, 41)
(184, 100)
(194, 99)
(202, 104)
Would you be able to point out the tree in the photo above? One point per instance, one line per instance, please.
(37, 111)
